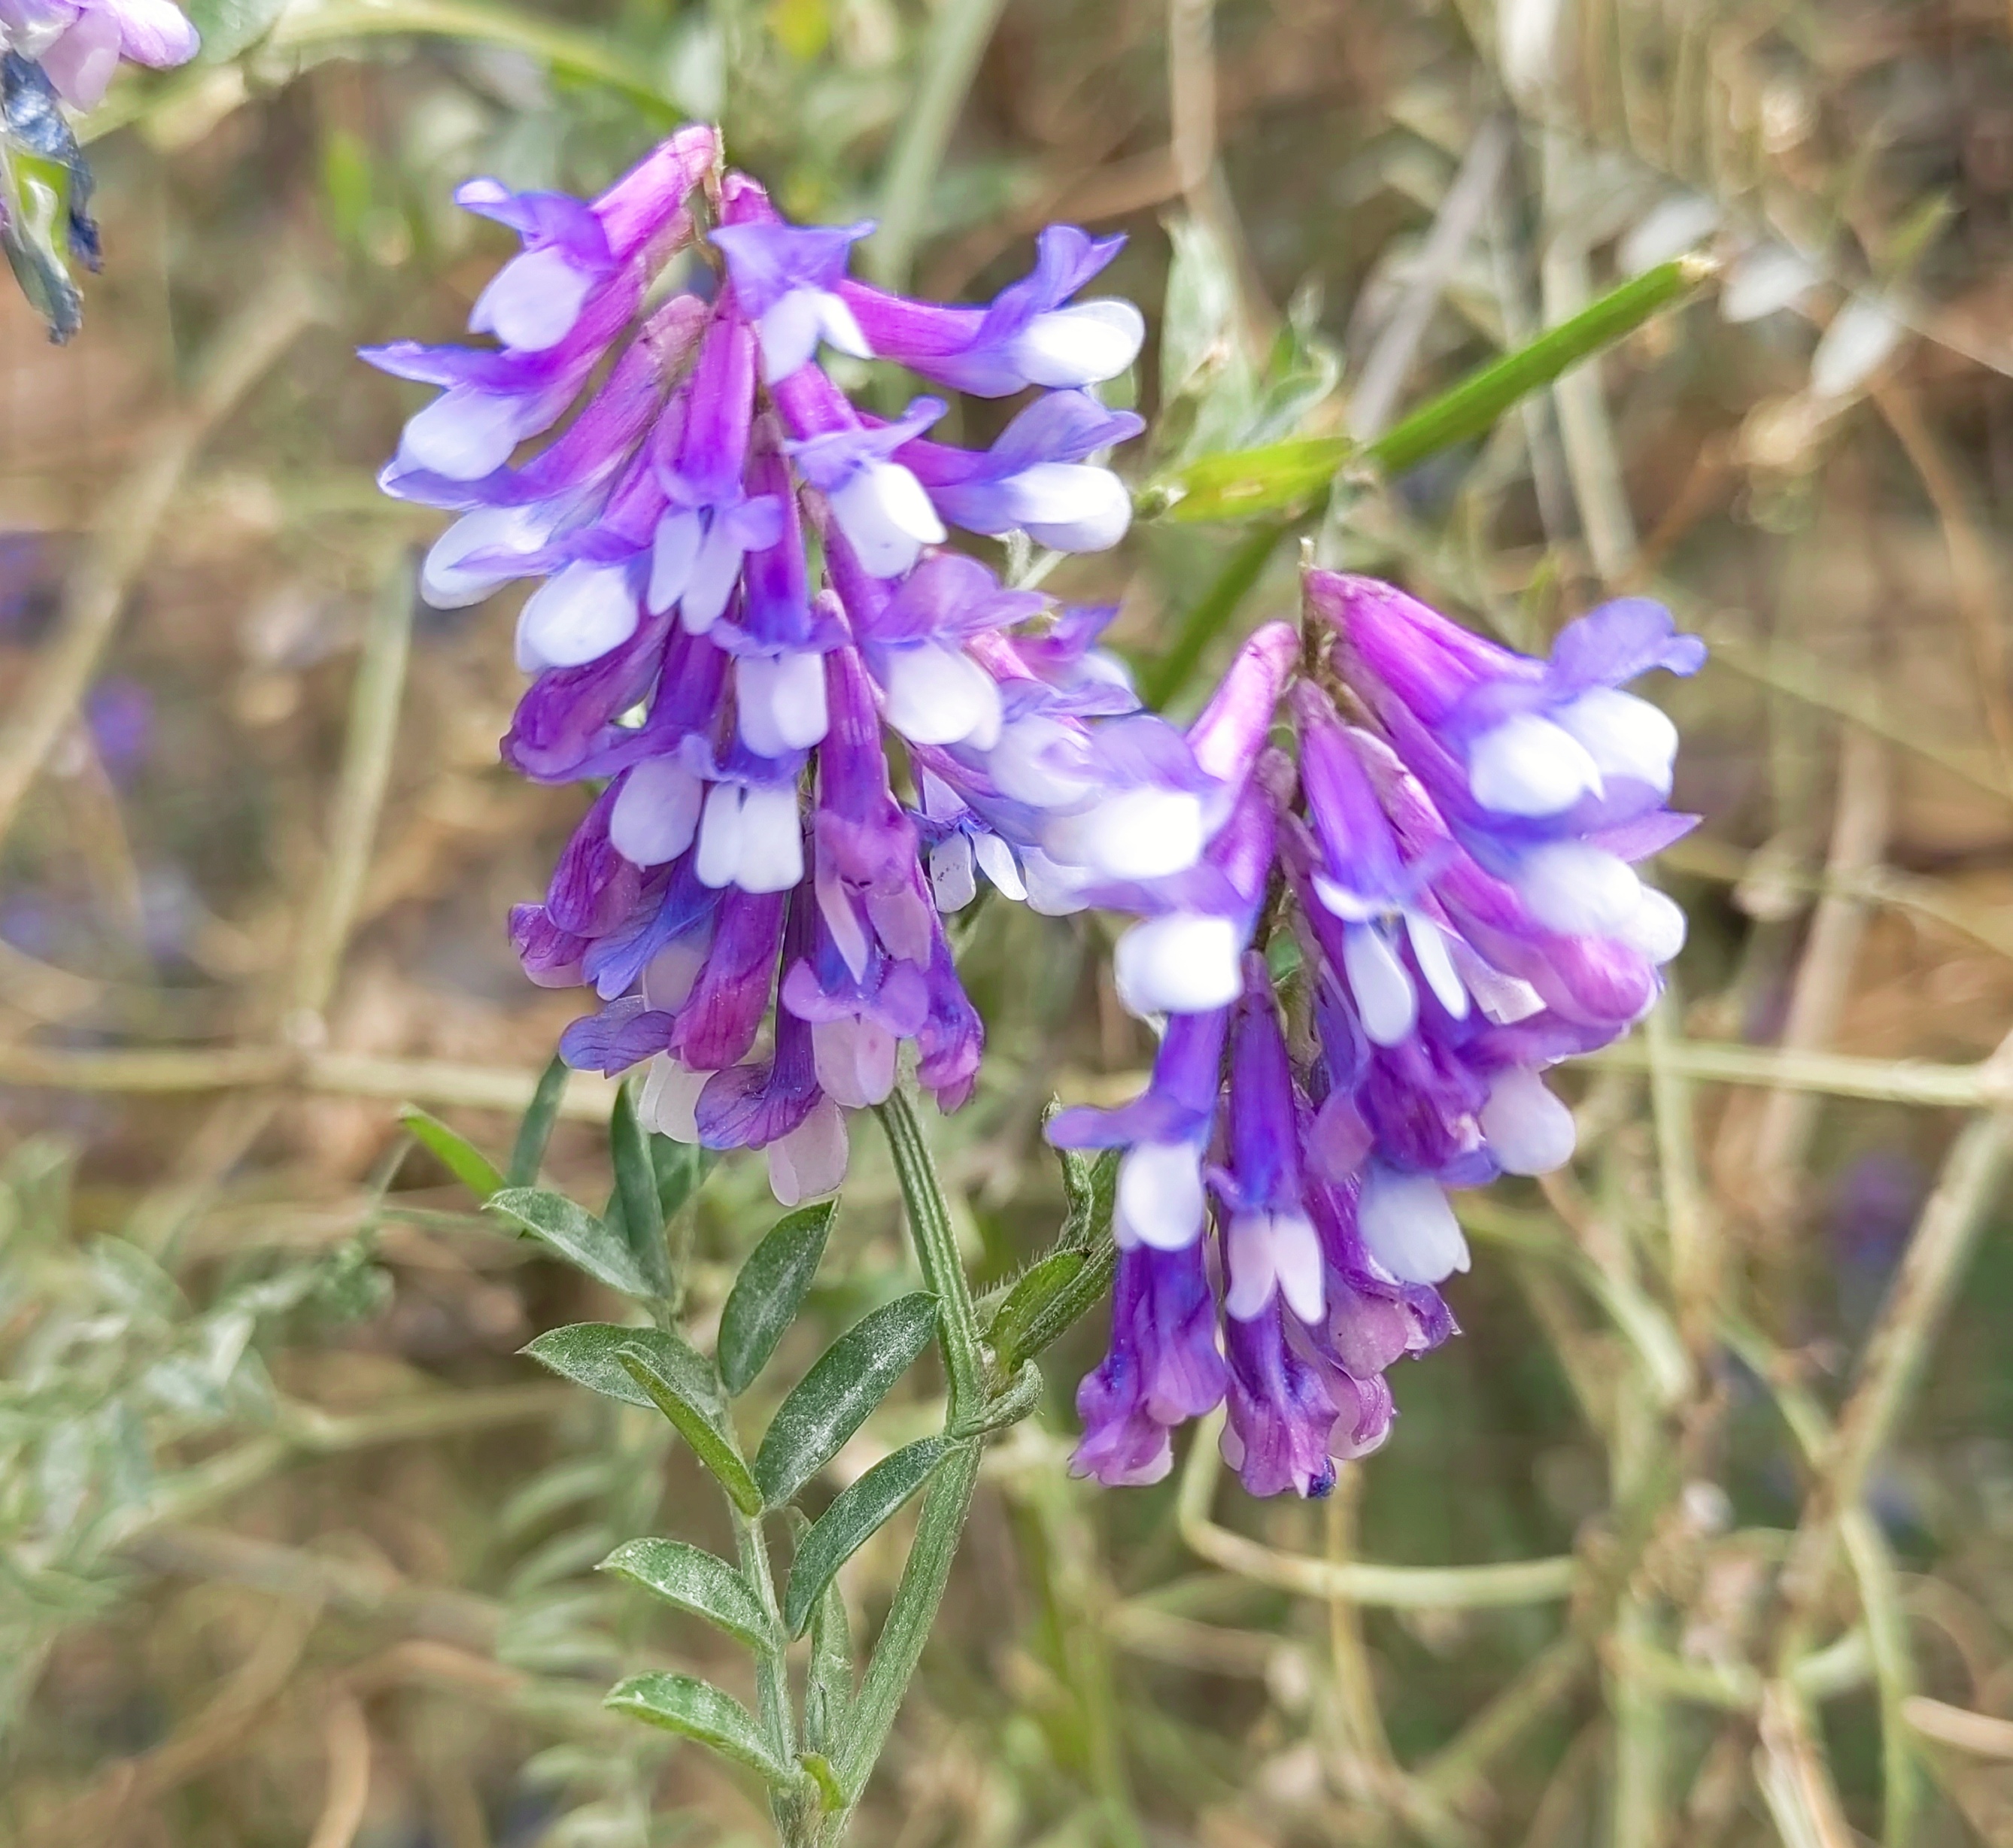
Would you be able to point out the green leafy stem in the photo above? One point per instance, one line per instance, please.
(815, 1767)
(1283, 477)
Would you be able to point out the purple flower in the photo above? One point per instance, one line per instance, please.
(1455, 879)
(1163, 1369)
(1035, 478)
(1278, 1433)
(1032, 335)
(784, 275)
(739, 593)
(80, 43)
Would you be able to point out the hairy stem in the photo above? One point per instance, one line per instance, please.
(795, 1812)
(946, 1504)
(936, 1249)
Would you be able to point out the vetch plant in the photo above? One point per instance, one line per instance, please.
(808, 725)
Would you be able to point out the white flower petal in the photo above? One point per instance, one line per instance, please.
(1529, 1130)
(1186, 963)
(937, 696)
(655, 813)
(464, 434)
(1657, 927)
(995, 860)
(886, 513)
(1296, 1262)
(576, 616)
(1159, 1198)
(1041, 762)
(1084, 344)
(1351, 907)
(532, 302)
(1139, 833)
(854, 1061)
(1527, 765)
(772, 839)
(1386, 1000)
(1624, 735)
(952, 879)
(1070, 505)
(1435, 960)
(1579, 890)
(670, 1098)
(1054, 889)
(714, 574)
(1268, 1251)
(720, 832)
(447, 583)
(779, 702)
(788, 333)
(674, 552)
(811, 1160)
(835, 322)
(1408, 1226)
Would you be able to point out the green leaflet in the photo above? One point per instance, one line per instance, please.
(693, 1580)
(698, 1711)
(833, 1399)
(686, 1390)
(570, 1232)
(536, 1129)
(850, 1521)
(455, 1152)
(769, 1291)
(642, 1212)
(585, 1353)
(1280, 477)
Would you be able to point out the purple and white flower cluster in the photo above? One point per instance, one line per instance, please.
(744, 590)
(1440, 888)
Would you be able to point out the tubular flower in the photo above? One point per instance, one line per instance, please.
(53, 52)
(742, 592)
(1453, 882)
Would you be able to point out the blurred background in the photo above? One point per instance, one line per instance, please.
(294, 1548)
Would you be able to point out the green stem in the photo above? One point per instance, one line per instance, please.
(957, 41)
(946, 1504)
(936, 1248)
(1290, 474)
(581, 55)
(948, 1499)
(795, 1812)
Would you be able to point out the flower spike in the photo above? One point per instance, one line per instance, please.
(1455, 880)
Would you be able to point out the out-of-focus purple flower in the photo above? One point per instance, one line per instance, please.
(120, 714)
(1455, 877)
(80, 43)
(740, 592)
(28, 585)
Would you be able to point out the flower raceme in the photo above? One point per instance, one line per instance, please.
(1449, 880)
(743, 589)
